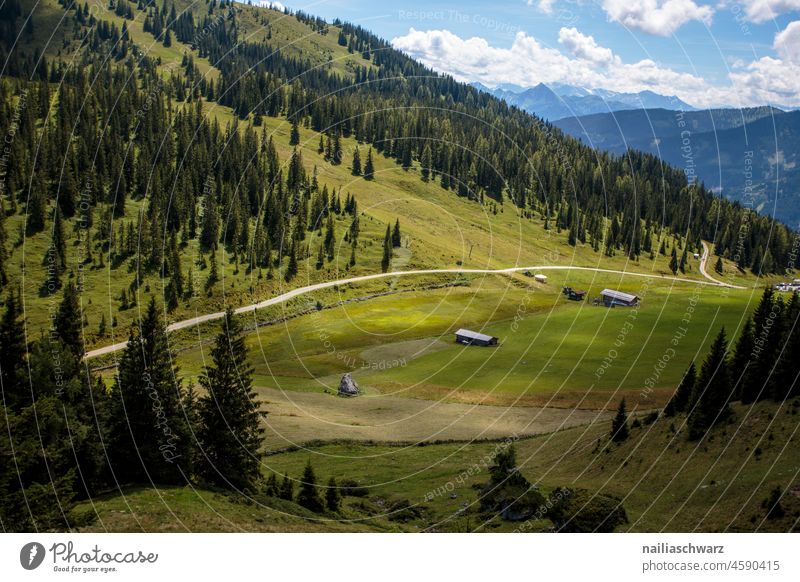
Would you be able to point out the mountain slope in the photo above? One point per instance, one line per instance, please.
(748, 155)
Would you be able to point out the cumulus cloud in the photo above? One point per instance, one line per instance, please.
(584, 47)
(658, 17)
(759, 11)
(527, 62)
(787, 43)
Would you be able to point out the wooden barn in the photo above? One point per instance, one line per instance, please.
(473, 338)
(613, 298)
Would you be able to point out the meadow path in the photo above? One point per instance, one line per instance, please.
(326, 284)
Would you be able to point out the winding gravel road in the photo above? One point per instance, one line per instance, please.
(324, 285)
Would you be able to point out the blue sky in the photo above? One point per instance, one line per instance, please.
(726, 52)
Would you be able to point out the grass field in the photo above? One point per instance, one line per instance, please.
(552, 351)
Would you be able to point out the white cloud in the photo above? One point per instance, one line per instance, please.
(658, 17)
(527, 63)
(763, 10)
(585, 47)
(545, 6)
(787, 43)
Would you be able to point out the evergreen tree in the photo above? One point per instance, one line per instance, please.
(333, 499)
(294, 137)
(148, 438)
(291, 266)
(712, 391)
(67, 322)
(356, 167)
(287, 488)
(308, 496)
(741, 359)
(12, 355)
(369, 168)
(680, 401)
(426, 162)
(396, 237)
(230, 432)
(718, 267)
(387, 251)
(673, 262)
(619, 426)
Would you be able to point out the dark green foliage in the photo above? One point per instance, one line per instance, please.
(287, 488)
(369, 166)
(718, 266)
(673, 262)
(773, 504)
(230, 432)
(67, 322)
(619, 426)
(581, 511)
(309, 496)
(15, 390)
(507, 493)
(386, 259)
(712, 391)
(356, 167)
(396, 236)
(149, 438)
(333, 499)
(681, 399)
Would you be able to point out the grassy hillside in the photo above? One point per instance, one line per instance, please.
(664, 482)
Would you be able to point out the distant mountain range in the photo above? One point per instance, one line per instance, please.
(750, 155)
(558, 101)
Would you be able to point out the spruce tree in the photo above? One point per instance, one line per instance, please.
(13, 349)
(673, 262)
(356, 167)
(230, 433)
(67, 322)
(712, 391)
(718, 267)
(396, 237)
(308, 496)
(294, 137)
(741, 360)
(386, 259)
(333, 499)
(680, 401)
(619, 426)
(369, 168)
(149, 438)
(287, 488)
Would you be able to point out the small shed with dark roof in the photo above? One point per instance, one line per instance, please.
(473, 338)
(612, 298)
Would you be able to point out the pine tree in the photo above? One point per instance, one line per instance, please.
(425, 162)
(387, 251)
(308, 496)
(149, 440)
(680, 401)
(287, 488)
(333, 499)
(67, 322)
(230, 432)
(294, 137)
(619, 426)
(718, 267)
(12, 355)
(356, 167)
(673, 262)
(396, 237)
(369, 168)
(712, 391)
(741, 360)
(291, 266)
(271, 488)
